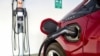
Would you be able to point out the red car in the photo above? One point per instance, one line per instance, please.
(83, 22)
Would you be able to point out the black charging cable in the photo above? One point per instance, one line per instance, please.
(50, 38)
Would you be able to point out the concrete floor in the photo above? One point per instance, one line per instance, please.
(34, 55)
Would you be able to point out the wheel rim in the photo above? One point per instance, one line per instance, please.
(53, 53)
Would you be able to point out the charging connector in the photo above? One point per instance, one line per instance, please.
(55, 35)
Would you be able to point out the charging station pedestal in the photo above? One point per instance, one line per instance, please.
(20, 38)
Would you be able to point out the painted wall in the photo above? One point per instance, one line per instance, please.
(37, 11)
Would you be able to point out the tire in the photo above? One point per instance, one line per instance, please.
(56, 49)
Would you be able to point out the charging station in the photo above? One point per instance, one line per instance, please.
(20, 38)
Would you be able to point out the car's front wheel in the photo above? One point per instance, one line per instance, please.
(54, 49)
